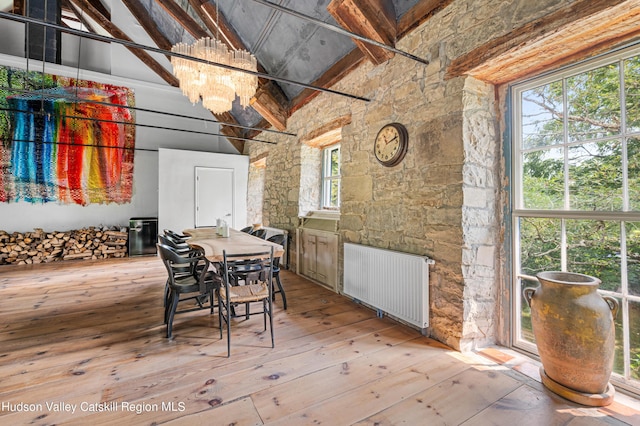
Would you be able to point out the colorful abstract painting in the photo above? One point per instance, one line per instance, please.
(64, 140)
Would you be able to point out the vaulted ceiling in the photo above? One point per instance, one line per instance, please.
(305, 42)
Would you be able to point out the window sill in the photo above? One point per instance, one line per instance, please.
(324, 214)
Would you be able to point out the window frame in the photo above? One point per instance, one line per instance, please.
(565, 213)
(327, 178)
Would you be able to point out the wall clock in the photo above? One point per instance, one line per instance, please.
(391, 143)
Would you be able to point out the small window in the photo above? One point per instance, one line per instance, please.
(331, 177)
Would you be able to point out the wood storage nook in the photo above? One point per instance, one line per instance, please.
(41, 247)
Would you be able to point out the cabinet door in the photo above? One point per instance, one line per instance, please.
(323, 258)
(309, 253)
(327, 258)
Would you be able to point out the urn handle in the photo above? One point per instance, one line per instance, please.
(528, 294)
(613, 305)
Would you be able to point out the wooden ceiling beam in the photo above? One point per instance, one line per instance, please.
(142, 16)
(18, 7)
(337, 72)
(373, 19)
(116, 32)
(216, 23)
(268, 106)
(66, 4)
(264, 124)
(183, 18)
(231, 132)
(97, 4)
(410, 20)
(418, 14)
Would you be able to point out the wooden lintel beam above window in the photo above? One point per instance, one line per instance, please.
(260, 161)
(270, 108)
(327, 134)
(583, 27)
(373, 19)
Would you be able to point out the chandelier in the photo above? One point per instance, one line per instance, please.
(216, 86)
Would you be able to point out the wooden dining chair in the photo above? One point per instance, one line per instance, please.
(260, 233)
(278, 239)
(257, 287)
(182, 248)
(175, 236)
(197, 285)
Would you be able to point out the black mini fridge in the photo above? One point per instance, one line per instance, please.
(143, 234)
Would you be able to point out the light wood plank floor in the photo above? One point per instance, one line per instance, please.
(83, 343)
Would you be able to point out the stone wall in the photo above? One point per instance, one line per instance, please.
(443, 200)
(255, 194)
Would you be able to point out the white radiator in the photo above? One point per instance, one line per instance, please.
(390, 281)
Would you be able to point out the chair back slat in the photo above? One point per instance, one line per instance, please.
(252, 266)
(260, 233)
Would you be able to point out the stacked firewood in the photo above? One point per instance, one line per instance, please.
(40, 247)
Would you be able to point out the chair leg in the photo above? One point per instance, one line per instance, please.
(281, 291)
(175, 297)
(167, 304)
(220, 314)
(270, 303)
(264, 314)
(228, 331)
(166, 312)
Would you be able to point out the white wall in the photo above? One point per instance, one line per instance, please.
(177, 195)
(22, 216)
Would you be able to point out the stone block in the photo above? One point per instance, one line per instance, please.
(378, 116)
(351, 221)
(356, 188)
(477, 197)
(358, 164)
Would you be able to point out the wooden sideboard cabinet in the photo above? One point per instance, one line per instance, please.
(318, 251)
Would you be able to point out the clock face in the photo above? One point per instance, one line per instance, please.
(391, 144)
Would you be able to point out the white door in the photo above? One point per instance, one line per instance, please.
(214, 196)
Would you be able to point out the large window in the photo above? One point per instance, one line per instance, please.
(331, 177)
(576, 192)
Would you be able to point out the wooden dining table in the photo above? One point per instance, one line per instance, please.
(237, 242)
